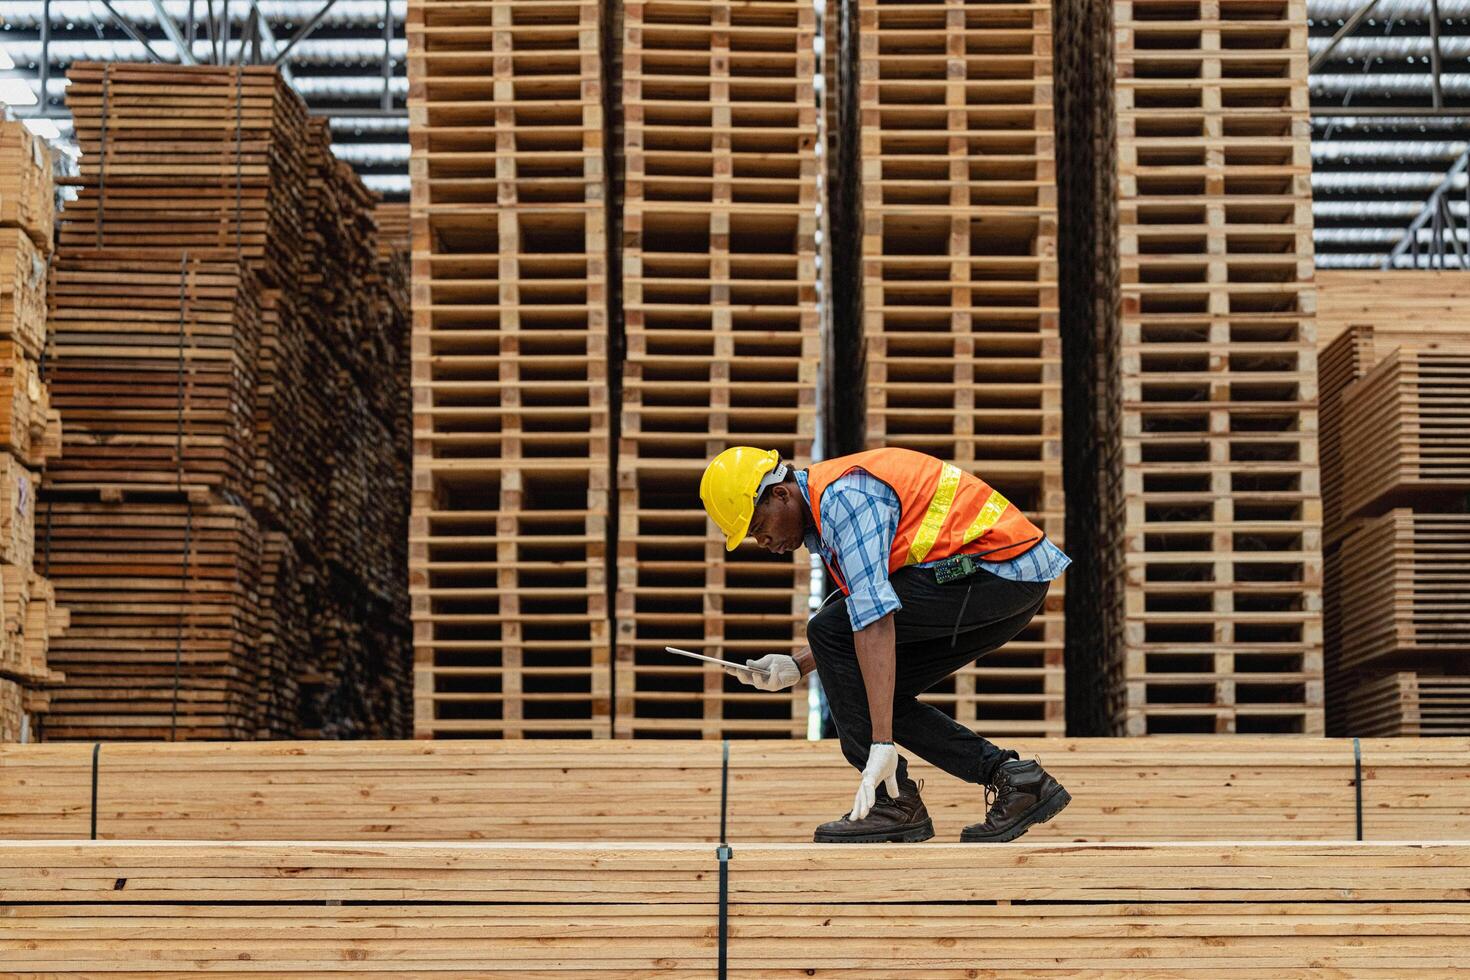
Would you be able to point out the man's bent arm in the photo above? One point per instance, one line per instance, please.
(805, 662)
(876, 659)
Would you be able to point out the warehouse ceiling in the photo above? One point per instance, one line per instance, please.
(1391, 98)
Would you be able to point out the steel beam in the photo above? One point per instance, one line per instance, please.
(1435, 64)
(130, 30)
(305, 31)
(1342, 32)
(186, 51)
(1410, 241)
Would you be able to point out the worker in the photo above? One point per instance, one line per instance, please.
(938, 569)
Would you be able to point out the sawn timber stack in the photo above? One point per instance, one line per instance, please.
(30, 432)
(230, 522)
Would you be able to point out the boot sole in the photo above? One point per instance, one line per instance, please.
(910, 835)
(1043, 811)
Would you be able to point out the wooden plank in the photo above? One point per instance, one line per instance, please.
(471, 909)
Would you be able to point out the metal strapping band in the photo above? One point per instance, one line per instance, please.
(102, 154)
(939, 504)
(96, 750)
(173, 720)
(995, 506)
(239, 94)
(1358, 782)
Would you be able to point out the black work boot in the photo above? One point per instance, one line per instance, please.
(1024, 794)
(900, 821)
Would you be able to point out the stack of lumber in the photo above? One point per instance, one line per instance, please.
(960, 319)
(233, 486)
(502, 910)
(30, 432)
(1201, 439)
(217, 162)
(1405, 592)
(511, 464)
(1409, 703)
(1398, 299)
(719, 261)
(1163, 788)
(394, 233)
(1395, 473)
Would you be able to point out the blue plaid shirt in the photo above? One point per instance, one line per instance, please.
(859, 521)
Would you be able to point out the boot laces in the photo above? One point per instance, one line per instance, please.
(999, 782)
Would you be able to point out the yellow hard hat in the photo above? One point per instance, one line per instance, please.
(728, 489)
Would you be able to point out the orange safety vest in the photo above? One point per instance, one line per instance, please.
(943, 511)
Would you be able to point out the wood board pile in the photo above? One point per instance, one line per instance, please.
(239, 380)
(955, 180)
(1405, 592)
(214, 158)
(27, 192)
(30, 432)
(511, 457)
(394, 232)
(1409, 703)
(502, 910)
(719, 259)
(1392, 299)
(1202, 439)
(1162, 788)
(1395, 474)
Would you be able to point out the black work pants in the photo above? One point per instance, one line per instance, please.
(941, 628)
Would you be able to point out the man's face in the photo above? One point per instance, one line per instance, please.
(776, 523)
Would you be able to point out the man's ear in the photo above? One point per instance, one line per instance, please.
(781, 492)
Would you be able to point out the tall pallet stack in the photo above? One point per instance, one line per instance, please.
(960, 314)
(508, 545)
(219, 335)
(719, 259)
(1209, 470)
(1395, 478)
(29, 432)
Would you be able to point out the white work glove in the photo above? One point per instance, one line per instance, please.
(782, 673)
(882, 768)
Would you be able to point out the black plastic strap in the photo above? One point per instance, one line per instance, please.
(724, 790)
(96, 750)
(724, 853)
(1358, 782)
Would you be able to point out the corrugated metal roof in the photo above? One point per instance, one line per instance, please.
(1372, 172)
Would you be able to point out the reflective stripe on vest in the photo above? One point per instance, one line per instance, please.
(939, 504)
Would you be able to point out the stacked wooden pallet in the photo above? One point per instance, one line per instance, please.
(223, 337)
(959, 287)
(503, 910)
(508, 539)
(1395, 470)
(30, 435)
(1206, 461)
(719, 296)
